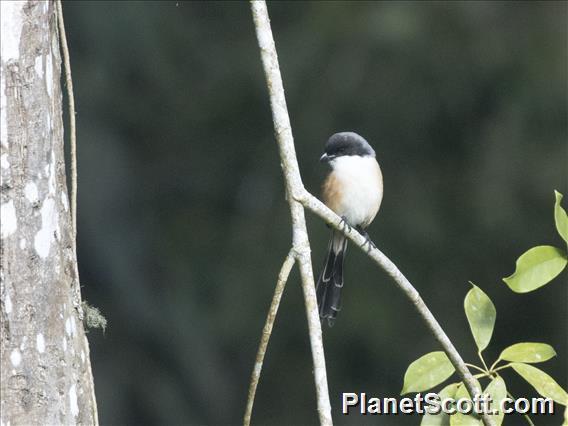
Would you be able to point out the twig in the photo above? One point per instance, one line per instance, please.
(482, 360)
(476, 367)
(293, 181)
(73, 152)
(502, 367)
(494, 364)
(316, 206)
(480, 375)
(266, 331)
(72, 125)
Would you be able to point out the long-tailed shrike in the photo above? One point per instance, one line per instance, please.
(353, 189)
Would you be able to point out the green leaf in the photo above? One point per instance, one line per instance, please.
(560, 217)
(440, 419)
(426, 372)
(498, 391)
(542, 382)
(459, 419)
(462, 391)
(481, 314)
(528, 352)
(536, 267)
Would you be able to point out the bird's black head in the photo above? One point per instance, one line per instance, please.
(346, 143)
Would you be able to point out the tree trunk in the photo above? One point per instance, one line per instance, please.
(45, 368)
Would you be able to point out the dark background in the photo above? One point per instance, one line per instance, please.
(183, 224)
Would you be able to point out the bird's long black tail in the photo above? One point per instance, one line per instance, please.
(330, 281)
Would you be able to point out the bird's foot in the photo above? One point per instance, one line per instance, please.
(368, 242)
(344, 226)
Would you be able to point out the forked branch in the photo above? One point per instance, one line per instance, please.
(299, 198)
(293, 182)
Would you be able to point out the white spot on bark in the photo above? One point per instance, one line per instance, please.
(23, 244)
(70, 326)
(38, 66)
(264, 39)
(40, 343)
(45, 236)
(7, 304)
(64, 200)
(4, 163)
(15, 357)
(73, 326)
(82, 355)
(65, 344)
(3, 121)
(8, 220)
(74, 407)
(49, 74)
(51, 178)
(11, 21)
(30, 191)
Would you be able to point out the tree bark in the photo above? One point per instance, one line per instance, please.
(45, 367)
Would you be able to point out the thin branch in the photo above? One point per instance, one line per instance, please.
(72, 125)
(502, 367)
(481, 375)
(494, 364)
(266, 332)
(482, 360)
(293, 181)
(73, 153)
(316, 206)
(476, 367)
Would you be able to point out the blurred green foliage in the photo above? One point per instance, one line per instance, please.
(183, 224)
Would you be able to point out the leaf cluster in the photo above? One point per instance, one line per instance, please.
(434, 368)
(535, 268)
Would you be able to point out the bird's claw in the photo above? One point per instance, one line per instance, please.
(368, 242)
(345, 227)
(370, 245)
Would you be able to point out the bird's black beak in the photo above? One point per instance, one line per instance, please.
(326, 158)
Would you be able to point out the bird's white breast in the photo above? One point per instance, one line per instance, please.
(361, 184)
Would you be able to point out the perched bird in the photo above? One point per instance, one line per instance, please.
(353, 189)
